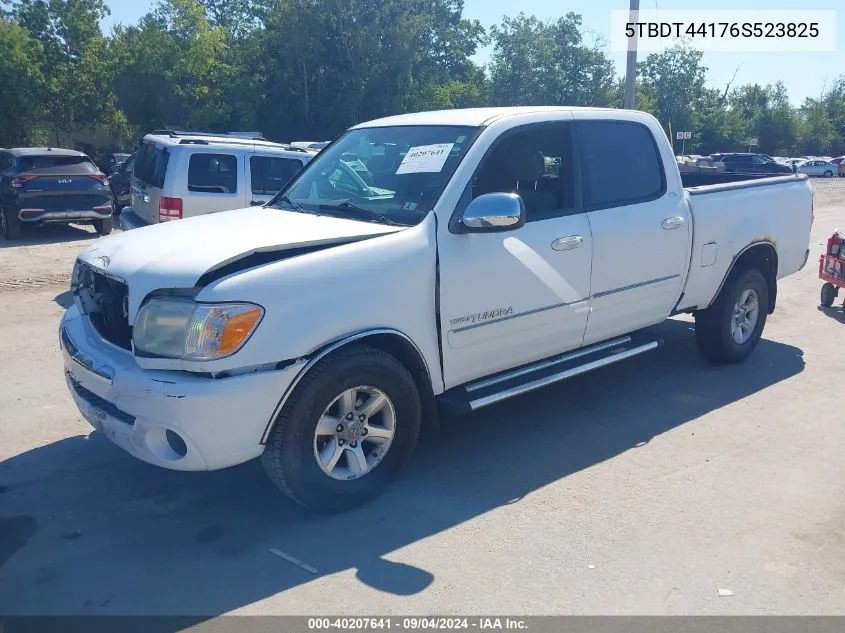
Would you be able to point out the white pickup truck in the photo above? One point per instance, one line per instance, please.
(497, 251)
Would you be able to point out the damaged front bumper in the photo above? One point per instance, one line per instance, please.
(172, 419)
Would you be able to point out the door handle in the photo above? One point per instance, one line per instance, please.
(567, 243)
(675, 222)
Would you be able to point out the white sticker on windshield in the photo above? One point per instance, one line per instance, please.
(425, 158)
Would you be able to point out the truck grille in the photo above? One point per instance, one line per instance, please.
(112, 319)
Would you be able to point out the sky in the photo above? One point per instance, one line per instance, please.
(804, 74)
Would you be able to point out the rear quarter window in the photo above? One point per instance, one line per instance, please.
(151, 164)
(621, 164)
(213, 173)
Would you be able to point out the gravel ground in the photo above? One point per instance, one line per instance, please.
(643, 488)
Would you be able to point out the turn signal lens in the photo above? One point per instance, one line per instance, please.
(220, 330)
(181, 328)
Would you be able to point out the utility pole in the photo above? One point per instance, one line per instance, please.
(630, 101)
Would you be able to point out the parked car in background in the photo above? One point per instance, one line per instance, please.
(792, 162)
(113, 161)
(179, 175)
(840, 164)
(121, 181)
(817, 168)
(45, 184)
(310, 145)
(324, 331)
(748, 163)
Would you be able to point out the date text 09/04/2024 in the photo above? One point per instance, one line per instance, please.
(416, 623)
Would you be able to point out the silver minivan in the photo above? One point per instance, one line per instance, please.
(180, 175)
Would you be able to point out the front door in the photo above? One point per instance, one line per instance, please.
(640, 224)
(515, 297)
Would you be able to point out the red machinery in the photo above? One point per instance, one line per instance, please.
(832, 269)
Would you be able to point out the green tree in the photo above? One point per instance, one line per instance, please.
(674, 81)
(78, 92)
(765, 113)
(548, 63)
(817, 132)
(22, 84)
(172, 69)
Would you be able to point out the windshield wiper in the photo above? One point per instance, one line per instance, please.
(348, 206)
(298, 207)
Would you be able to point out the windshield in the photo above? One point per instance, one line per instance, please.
(392, 175)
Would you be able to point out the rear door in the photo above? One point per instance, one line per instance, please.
(216, 182)
(267, 174)
(149, 173)
(55, 183)
(641, 226)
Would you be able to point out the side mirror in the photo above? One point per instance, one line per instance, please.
(493, 212)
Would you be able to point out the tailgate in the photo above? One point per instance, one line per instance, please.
(63, 192)
(148, 177)
(144, 200)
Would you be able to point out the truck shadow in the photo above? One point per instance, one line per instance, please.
(96, 532)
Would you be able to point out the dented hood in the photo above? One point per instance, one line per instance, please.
(177, 254)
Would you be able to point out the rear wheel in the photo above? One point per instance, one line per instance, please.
(10, 225)
(828, 174)
(828, 294)
(730, 329)
(346, 430)
(103, 227)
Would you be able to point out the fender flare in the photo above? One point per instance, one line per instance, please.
(733, 264)
(327, 349)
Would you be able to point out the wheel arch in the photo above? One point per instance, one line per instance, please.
(393, 342)
(763, 256)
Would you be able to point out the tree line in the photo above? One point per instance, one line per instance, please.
(308, 69)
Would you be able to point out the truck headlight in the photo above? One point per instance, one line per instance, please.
(181, 328)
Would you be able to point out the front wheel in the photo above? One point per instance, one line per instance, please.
(346, 430)
(730, 329)
(828, 174)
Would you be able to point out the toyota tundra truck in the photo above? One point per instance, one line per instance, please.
(496, 251)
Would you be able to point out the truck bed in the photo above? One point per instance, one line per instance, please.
(701, 178)
(729, 216)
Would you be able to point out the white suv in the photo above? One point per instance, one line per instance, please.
(179, 175)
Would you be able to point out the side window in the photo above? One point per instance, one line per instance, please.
(534, 162)
(213, 173)
(5, 161)
(269, 175)
(620, 164)
(758, 160)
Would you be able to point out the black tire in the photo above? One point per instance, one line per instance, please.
(104, 226)
(828, 174)
(828, 294)
(713, 326)
(10, 225)
(288, 458)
